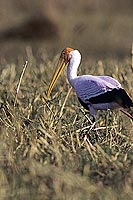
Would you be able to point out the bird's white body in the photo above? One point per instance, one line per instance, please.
(88, 86)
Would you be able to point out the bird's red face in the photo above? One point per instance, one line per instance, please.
(63, 61)
(65, 54)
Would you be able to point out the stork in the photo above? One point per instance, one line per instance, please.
(94, 92)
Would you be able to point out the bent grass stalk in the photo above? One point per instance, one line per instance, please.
(19, 83)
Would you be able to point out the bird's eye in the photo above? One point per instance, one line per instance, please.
(63, 54)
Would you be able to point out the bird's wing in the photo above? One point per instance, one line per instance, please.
(88, 86)
(111, 80)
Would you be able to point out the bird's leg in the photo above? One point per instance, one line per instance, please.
(93, 113)
(106, 122)
(95, 128)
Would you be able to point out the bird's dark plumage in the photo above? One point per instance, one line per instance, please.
(116, 95)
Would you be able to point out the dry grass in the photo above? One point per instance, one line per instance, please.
(48, 148)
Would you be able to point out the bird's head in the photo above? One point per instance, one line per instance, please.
(63, 61)
(65, 54)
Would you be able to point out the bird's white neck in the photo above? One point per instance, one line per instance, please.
(73, 66)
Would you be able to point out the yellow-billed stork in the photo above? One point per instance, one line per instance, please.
(94, 92)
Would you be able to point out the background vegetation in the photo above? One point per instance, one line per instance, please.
(48, 147)
(99, 28)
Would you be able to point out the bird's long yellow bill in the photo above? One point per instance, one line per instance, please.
(59, 68)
